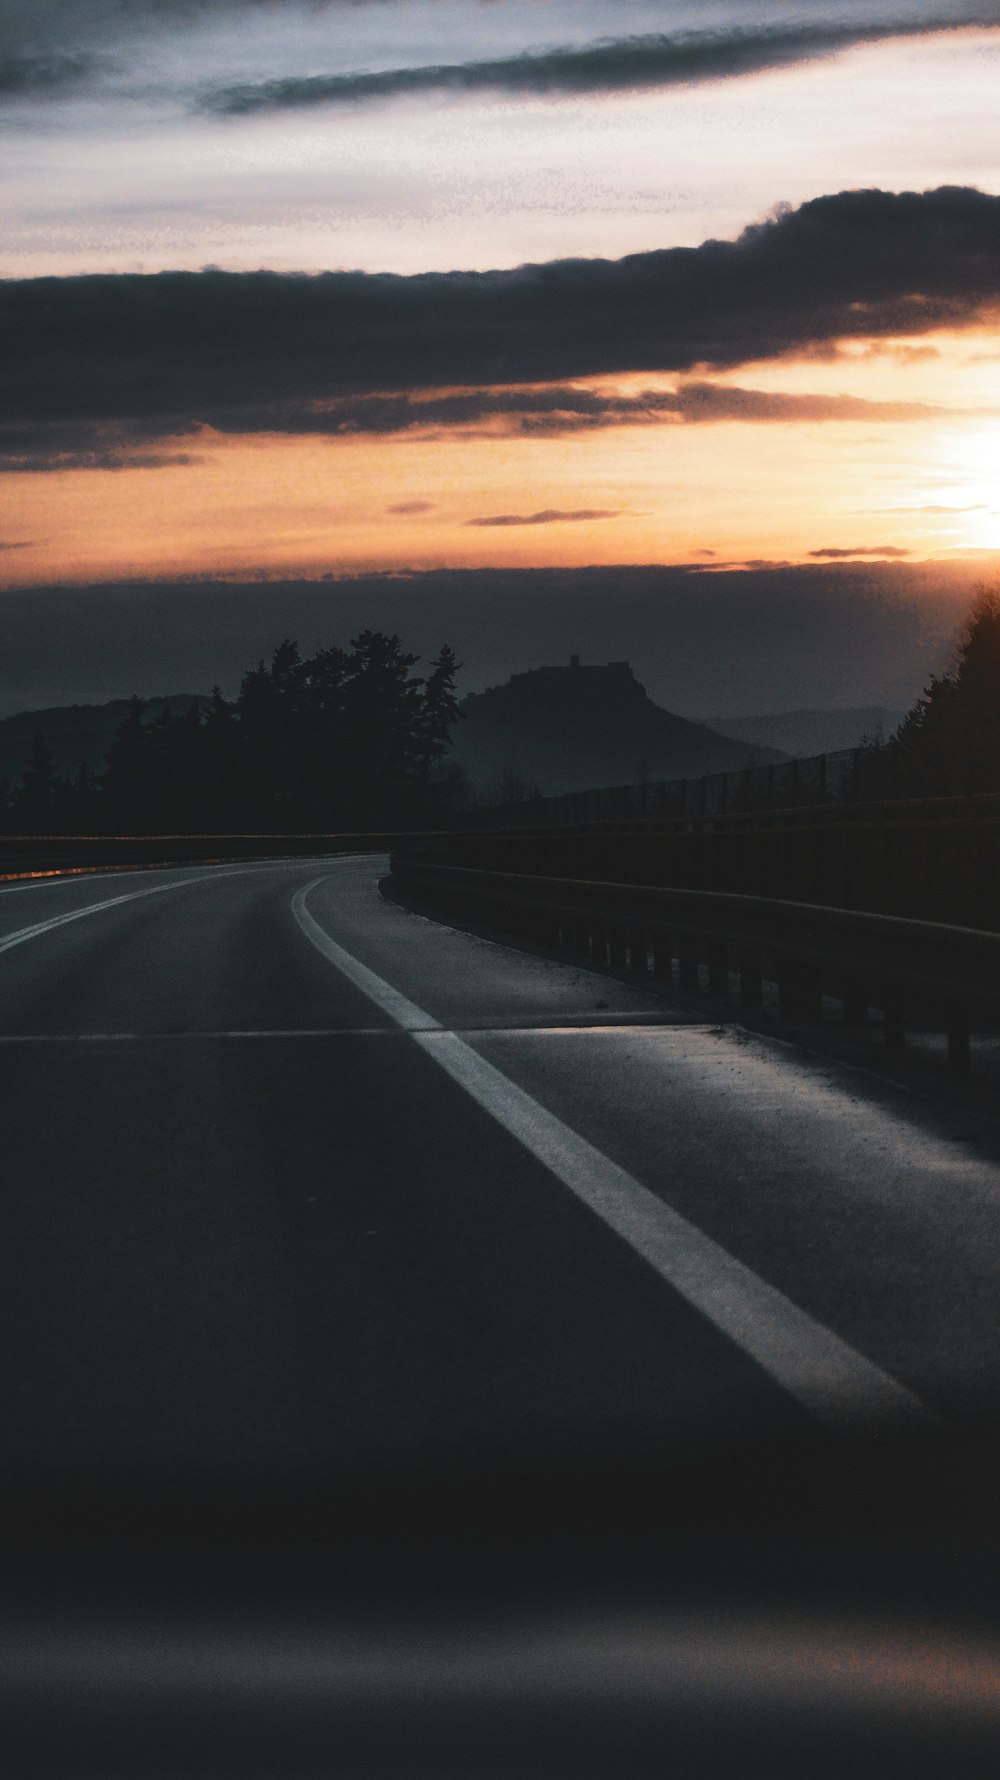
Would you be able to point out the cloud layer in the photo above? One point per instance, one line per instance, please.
(529, 413)
(30, 74)
(166, 352)
(623, 64)
(888, 552)
(547, 411)
(548, 516)
(53, 46)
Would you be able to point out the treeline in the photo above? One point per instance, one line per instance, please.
(949, 743)
(342, 740)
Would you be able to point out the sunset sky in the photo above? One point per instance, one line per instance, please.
(309, 289)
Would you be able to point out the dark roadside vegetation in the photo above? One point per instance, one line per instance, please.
(948, 745)
(355, 740)
(344, 740)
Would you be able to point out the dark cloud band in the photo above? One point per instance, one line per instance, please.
(888, 552)
(34, 75)
(167, 351)
(548, 516)
(625, 64)
(486, 413)
(530, 412)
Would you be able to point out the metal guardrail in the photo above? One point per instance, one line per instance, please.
(928, 860)
(908, 969)
(28, 855)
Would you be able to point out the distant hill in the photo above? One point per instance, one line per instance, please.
(573, 728)
(801, 733)
(79, 735)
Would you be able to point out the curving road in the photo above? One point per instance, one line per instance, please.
(297, 1184)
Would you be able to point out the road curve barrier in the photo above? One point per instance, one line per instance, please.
(43, 855)
(945, 978)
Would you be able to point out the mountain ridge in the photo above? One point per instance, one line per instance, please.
(573, 728)
(79, 734)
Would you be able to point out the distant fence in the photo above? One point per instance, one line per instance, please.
(852, 775)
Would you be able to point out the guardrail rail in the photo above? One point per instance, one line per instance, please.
(38, 855)
(909, 970)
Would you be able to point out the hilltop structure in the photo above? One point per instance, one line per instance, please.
(574, 727)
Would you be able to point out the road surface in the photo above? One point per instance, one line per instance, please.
(298, 1184)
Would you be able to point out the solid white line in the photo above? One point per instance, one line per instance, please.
(205, 872)
(827, 1376)
(823, 1373)
(93, 908)
(405, 1013)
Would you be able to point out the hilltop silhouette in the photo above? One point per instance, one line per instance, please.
(79, 735)
(571, 728)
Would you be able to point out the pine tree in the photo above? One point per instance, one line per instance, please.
(382, 705)
(34, 797)
(950, 741)
(125, 783)
(440, 710)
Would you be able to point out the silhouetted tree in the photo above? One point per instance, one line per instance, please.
(950, 741)
(440, 710)
(382, 707)
(344, 739)
(125, 784)
(214, 806)
(35, 795)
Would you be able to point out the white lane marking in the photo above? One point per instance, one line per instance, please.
(93, 908)
(205, 873)
(823, 1373)
(826, 1375)
(405, 1013)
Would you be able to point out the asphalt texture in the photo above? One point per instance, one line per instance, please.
(251, 1230)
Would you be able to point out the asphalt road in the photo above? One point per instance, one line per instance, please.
(299, 1185)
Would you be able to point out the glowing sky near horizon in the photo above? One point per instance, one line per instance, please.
(121, 158)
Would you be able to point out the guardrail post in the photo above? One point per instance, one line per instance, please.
(855, 999)
(617, 944)
(638, 950)
(663, 964)
(895, 1023)
(751, 977)
(687, 952)
(580, 937)
(799, 991)
(718, 968)
(959, 1050)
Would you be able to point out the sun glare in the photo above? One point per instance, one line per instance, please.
(969, 465)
